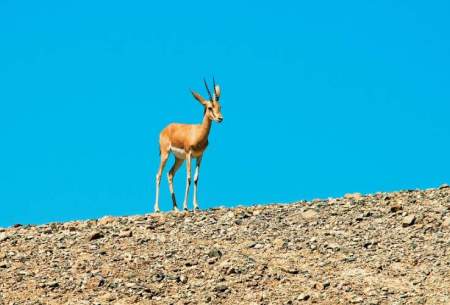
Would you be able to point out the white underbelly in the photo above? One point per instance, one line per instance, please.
(178, 152)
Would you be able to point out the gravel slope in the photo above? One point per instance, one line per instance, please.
(385, 248)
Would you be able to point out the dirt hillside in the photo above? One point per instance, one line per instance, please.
(385, 248)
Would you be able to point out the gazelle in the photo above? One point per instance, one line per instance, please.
(187, 141)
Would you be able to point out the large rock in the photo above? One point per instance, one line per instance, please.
(409, 220)
(446, 223)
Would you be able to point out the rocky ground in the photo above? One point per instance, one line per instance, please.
(385, 248)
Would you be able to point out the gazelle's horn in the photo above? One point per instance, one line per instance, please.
(207, 89)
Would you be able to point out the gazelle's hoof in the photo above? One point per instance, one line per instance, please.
(175, 209)
(196, 209)
(186, 209)
(157, 210)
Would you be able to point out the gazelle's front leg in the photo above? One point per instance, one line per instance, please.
(197, 168)
(188, 180)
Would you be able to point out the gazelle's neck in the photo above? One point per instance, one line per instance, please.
(205, 126)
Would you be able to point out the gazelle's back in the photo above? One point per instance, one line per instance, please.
(176, 134)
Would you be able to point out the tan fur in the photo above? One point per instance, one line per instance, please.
(190, 139)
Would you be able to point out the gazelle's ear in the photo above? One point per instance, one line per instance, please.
(217, 92)
(198, 97)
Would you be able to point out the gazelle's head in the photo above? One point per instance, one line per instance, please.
(212, 106)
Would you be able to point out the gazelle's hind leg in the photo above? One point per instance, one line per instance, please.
(188, 180)
(164, 156)
(170, 176)
(197, 169)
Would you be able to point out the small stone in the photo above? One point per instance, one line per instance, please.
(95, 236)
(354, 196)
(350, 258)
(190, 263)
(221, 288)
(395, 208)
(158, 277)
(290, 269)
(131, 285)
(4, 265)
(183, 279)
(23, 272)
(173, 277)
(334, 247)
(322, 286)
(101, 281)
(279, 243)
(256, 212)
(409, 220)
(215, 253)
(92, 282)
(446, 223)
(108, 297)
(228, 216)
(444, 186)
(357, 300)
(250, 244)
(310, 214)
(303, 297)
(105, 220)
(53, 284)
(3, 237)
(212, 260)
(124, 234)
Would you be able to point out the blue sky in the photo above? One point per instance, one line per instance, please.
(319, 99)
